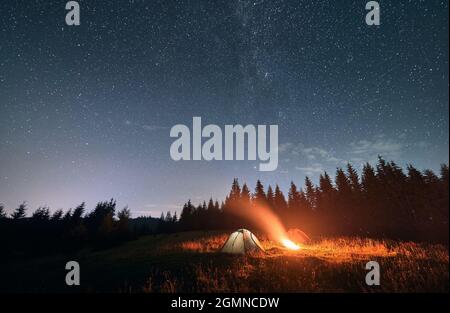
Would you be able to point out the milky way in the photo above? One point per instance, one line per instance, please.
(85, 111)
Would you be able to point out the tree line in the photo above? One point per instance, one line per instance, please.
(44, 232)
(382, 201)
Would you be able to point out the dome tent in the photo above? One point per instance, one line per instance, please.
(242, 241)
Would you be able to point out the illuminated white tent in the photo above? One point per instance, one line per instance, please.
(242, 241)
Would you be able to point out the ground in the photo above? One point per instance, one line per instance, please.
(190, 262)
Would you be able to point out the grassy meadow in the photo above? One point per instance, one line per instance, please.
(189, 262)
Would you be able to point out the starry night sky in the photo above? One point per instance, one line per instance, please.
(85, 112)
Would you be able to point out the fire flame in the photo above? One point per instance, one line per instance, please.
(290, 244)
(263, 217)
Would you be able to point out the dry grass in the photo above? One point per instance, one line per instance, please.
(325, 265)
(190, 262)
(333, 250)
(202, 245)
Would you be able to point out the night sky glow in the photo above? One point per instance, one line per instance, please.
(86, 111)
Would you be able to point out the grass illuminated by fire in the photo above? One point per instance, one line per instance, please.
(332, 250)
(325, 265)
(190, 262)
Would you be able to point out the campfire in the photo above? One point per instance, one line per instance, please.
(268, 221)
(289, 244)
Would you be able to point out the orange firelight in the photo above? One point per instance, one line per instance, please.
(289, 244)
(265, 219)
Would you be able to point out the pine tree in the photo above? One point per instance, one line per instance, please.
(124, 216)
(245, 197)
(78, 213)
(270, 197)
(416, 190)
(280, 203)
(210, 205)
(443, 182)
(293, 198)
(432, 181)
(368, 179)
(344, 212)
(2, 212)
(325, 184)
(232, 200)
(355, 199)
(67, 216)
(41, 214)
(187, 216)
(57, 215)
(310, 193)
(174, 217)
(185, 212)
(444, 175)
(370, 211)
(235, 193)
(295, 211)
(353, 179)
(342, 183)
(259, 197)
(326, 210)
(20, 212)
(430, 177)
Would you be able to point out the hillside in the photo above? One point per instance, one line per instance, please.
(189, 262)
